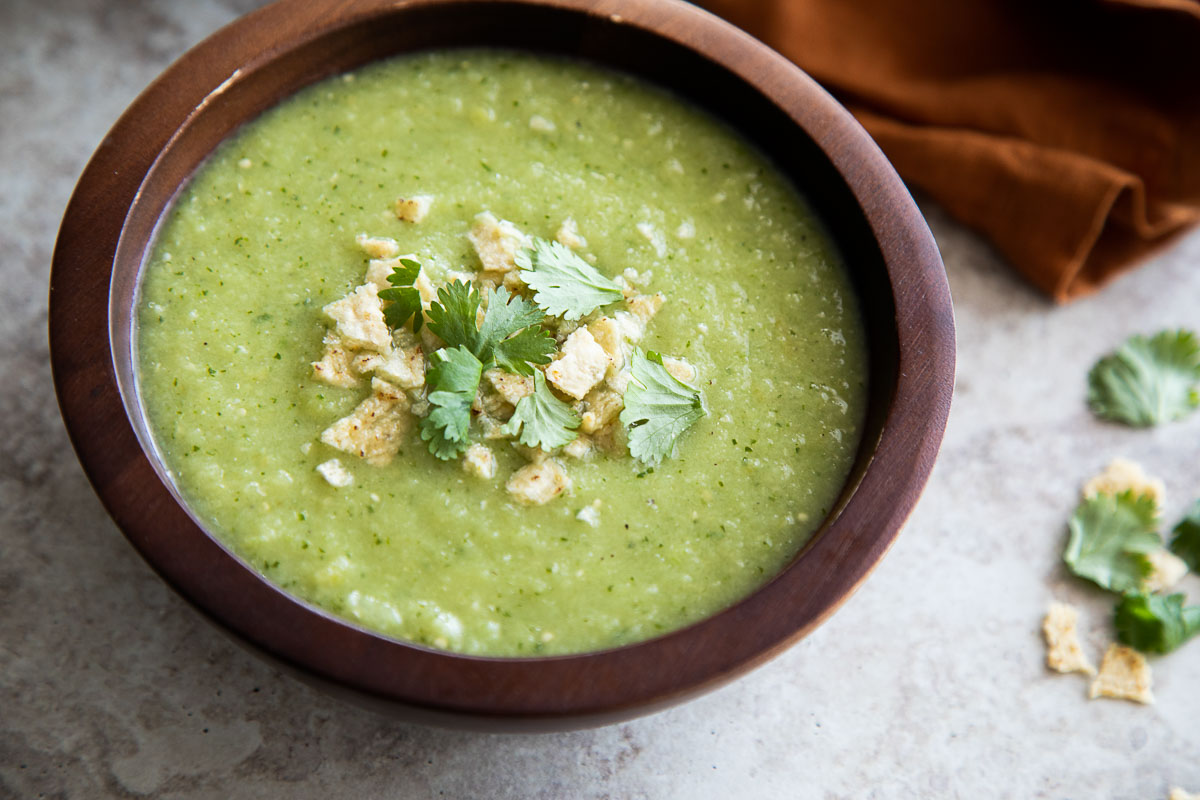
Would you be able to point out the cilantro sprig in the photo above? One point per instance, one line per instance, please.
(1110, 537)
(1114, 539)
(542, 419)
(452, 317)
(1147, 381)
(454, 374)
(564, 284)
(658, 408)
(404, 297)
(1155, 624)
(507, 337)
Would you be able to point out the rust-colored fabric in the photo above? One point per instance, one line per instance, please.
(1065, 131)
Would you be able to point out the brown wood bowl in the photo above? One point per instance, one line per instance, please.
(264, 57)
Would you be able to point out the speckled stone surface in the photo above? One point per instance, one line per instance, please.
(928, 683)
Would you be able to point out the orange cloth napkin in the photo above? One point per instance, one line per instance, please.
(1066, 131)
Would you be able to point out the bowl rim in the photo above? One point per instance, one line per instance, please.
(539, 692)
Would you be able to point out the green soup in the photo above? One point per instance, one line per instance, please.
(757, 300)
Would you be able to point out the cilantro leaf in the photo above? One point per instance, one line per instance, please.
(445, 428)
(406, 274)
(519, 353)
(452, 318)
(1110, 536)
(505, 316)
(404, 297)
(542, 419)
(1186, 542)
(1147, 381)
(454, 369)
(563, 283)
(454, 377)
(658, 409)
(1155, 624)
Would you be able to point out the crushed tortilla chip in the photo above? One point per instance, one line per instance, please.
(1063, 653)
(1123, 475)
(1166, 569)
(1124, 675)
(334, 366)
(375, 430)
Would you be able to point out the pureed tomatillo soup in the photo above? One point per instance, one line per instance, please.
(501, 354)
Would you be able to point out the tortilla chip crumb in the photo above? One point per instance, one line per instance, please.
(359, 319)
(1124, 675)
(496, 241)
(375, 430)
(538, 483)
(1166, 569)
(582, 365)
(1063, 653)
(568, 234)
(412, 209)
(680, 369)
(1123, 475)
(334, 366)
(333, 472)
(377, 246)
(1180, 794)
(480, 462)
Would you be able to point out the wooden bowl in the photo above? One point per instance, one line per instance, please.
(266, 56)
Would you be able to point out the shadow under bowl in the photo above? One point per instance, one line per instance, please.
(268, 55)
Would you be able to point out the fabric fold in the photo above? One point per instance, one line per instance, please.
(1067, 133)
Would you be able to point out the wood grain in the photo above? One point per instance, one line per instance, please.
(266, 56)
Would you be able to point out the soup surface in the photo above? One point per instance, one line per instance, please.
(757, 300)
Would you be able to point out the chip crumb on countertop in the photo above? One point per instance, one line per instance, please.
(1166, 570)
(1124, 675)
(1063, 652)
(1123, 475)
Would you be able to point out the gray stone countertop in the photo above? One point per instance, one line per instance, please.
(928, 683)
